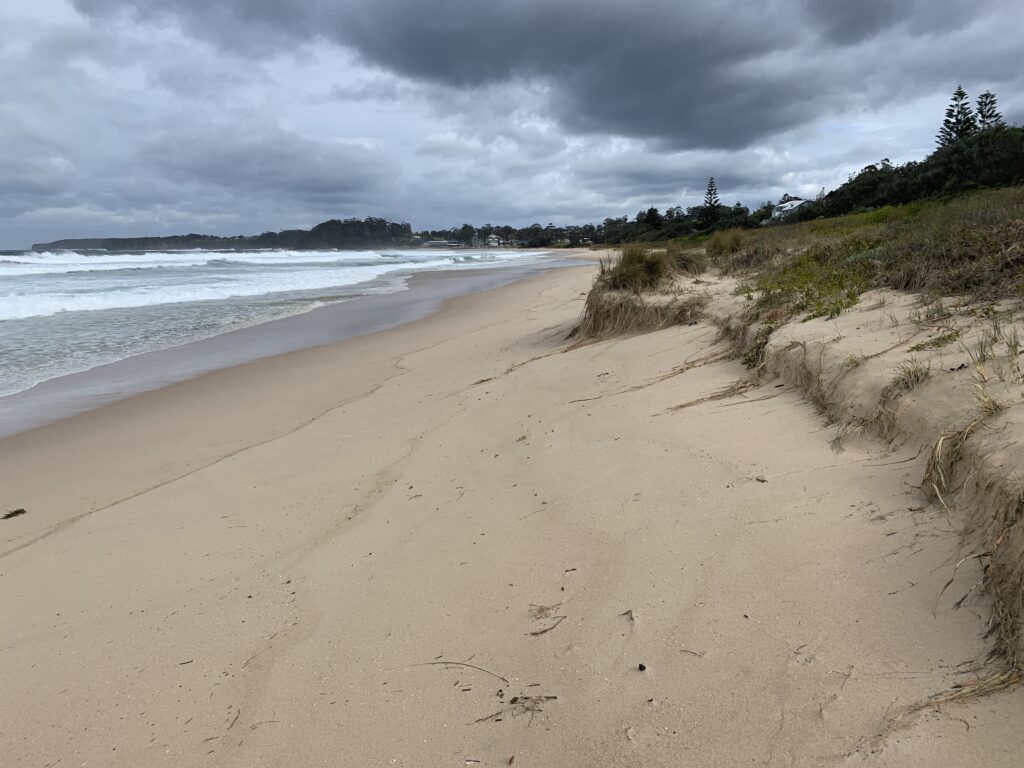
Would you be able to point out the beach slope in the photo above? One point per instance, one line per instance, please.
(465, 542)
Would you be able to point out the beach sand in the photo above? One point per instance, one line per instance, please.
(460, 542)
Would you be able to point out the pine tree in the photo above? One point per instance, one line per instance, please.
(988, 114)
(960, 121)
(709, 213)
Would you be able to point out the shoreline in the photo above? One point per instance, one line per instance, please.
(255, 399)
(73, 393)
(457, 541)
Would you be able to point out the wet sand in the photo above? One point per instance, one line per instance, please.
(75, 393)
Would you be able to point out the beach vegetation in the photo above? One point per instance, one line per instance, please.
(687, 260)
(910, 374)
(971, 246)
(821, 281)
(724, 242)
(755, 352)
(627, 295)
(937, 343)
(616, 313)
(638, 268)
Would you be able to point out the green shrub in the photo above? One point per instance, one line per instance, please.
(637, 269)
(759, 251)
(970, 246)
(973, 245)
(691, 261)
(724, 242)
(822, 281)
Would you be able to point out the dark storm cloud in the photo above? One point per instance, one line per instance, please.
(713, 74)
(847, 23)
(639, 69)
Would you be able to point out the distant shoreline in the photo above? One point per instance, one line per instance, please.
(79, 245)
(68, 395)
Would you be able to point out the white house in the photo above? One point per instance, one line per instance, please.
(787, 207)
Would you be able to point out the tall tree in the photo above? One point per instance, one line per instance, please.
(653, 219)
(709, 213)
(960, 121)
(988, 113)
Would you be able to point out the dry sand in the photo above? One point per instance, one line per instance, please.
(271, 565)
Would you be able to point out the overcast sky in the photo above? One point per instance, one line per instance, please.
(127, 117)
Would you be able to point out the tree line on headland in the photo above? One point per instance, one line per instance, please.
(371, 232)
(976, 149)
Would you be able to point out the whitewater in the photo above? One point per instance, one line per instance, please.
(68, 311)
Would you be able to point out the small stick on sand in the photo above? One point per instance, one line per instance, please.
(458, 664)
(539, 632)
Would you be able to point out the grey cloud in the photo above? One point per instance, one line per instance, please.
(377, 88)
(526, 146)
(134, 116)
(641, 174)
(102, 135)
(848, 23)
(269, 162)
(641, 70)
(28, 182)
(708, 74)
(200, 78)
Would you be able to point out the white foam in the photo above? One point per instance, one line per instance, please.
(65, 262)
(45, 284)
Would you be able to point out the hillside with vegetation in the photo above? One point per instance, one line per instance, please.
(370, 232)
(975, 150)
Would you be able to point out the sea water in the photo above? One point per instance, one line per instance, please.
(69, 311)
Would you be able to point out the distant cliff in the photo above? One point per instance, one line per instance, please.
(71, 245)
(370, 232)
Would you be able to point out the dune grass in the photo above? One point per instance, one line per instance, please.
(637, 269)
(724, 242)
(616, 306)
(688, 261)
(616, 313)
(972, 246)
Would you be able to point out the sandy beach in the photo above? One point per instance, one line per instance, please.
(464, 542)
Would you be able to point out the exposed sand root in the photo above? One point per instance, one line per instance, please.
(946, 451)
(736, 388)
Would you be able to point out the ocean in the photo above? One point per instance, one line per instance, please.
(71, 311)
